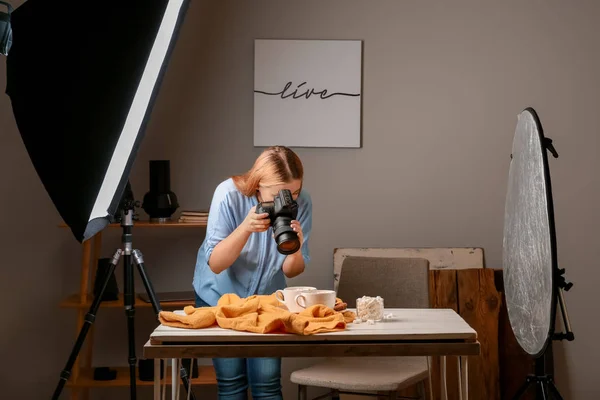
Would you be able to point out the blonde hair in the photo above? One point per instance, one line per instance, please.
(276, 165)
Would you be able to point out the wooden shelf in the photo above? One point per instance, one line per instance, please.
(206, 376)
(152, 224)
(74, 301)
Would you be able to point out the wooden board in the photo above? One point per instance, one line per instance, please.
(453, 258)
(155, 224)
(479, 304)
(206, 376)
(471, 293)
(75, 301)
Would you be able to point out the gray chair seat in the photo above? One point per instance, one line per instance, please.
(364, 373)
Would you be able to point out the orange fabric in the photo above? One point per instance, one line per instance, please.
(259, 314)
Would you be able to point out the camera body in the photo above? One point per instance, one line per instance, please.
(282, 210)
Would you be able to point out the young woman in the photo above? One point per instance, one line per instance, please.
(239, 255)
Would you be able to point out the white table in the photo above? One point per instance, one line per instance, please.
(411, 332)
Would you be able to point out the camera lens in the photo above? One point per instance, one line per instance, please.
(285, 237)
(288, 244)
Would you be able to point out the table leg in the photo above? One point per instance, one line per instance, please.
(429, 363)
(460, 382)
(178, 381)
(464, 377)
(157, 379)
(444, 385)
(302, 395)
(164, 386)
(174, 378)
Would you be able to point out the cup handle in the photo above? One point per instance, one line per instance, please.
(282, 298)
(298, 297)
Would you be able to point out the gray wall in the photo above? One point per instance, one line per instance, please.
(443, 83)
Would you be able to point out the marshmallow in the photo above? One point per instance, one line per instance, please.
(369, 308)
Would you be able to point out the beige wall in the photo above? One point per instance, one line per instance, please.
(443, 83)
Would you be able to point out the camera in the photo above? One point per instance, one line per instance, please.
(282, 210)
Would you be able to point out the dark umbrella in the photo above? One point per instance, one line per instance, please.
(82, 77)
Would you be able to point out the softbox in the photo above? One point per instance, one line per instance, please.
(82, 78)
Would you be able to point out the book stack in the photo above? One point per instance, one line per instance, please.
(194, 216)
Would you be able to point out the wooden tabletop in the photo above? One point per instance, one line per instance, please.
(431, 331)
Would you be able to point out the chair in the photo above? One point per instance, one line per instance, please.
(402, 283)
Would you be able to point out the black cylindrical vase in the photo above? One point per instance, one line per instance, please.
(160, 202)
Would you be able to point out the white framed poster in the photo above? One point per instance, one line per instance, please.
(307, 93)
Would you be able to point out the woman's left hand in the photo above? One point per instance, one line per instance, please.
(298, 229)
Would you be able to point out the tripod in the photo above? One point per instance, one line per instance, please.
(129, 300)
(545, 388)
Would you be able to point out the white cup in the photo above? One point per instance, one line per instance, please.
(287, 296)
(314, 297)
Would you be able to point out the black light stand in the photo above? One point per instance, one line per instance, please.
(127, 208)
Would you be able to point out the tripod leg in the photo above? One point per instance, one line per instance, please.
(543, 390)
(139, 260)
(90, 317)
(130, 313)
(522, 390)
(554, 391)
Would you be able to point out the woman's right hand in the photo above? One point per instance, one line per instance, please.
(228, 250)
(256, 222)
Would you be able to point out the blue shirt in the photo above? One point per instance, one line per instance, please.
(258, 269)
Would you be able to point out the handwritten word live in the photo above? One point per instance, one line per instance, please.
(309, 92)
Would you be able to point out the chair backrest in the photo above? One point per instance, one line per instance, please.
(401, 282)
(439, 257)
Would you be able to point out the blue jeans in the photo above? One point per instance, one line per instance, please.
(234, 374)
